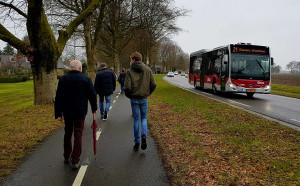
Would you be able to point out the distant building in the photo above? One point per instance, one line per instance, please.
(60, 64)
(157, 69)
(20, 61)
(14, 61)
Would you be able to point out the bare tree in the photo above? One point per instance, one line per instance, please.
(119, 24)
(293, 65)
(159, 19)
(44, 49)
(171, 56)
(89, 28)
(142, 22)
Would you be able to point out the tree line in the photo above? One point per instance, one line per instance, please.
(111, 29)
(293, 66)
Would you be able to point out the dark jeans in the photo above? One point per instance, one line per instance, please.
(77, 125)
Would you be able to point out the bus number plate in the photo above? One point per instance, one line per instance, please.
(251, 90)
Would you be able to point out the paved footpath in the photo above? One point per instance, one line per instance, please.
(116, 163)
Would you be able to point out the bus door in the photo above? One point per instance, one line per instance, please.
(224, 71)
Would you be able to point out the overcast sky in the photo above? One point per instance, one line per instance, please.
(213, 23)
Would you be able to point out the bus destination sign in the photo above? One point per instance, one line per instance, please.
(249, 49)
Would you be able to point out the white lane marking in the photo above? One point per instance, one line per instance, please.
(238, 103)
(114, 101)
(119, 93)
(110, 107)
(98, 134)
(295, 120)
(80, 175)
(205, 93)
(117, 97)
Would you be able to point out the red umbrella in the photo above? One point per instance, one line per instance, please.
(94, 127)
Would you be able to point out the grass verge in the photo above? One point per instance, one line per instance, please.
(205, 142)
(23, 125)
(286, 90)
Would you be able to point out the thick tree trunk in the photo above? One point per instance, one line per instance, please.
(45, 86)
(90, 51)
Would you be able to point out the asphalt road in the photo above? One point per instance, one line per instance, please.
(283, 109)
(116, 163)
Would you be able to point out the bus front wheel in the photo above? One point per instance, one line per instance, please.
(250, 94)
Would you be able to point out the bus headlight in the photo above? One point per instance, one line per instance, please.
(232, 86)
(267, 87)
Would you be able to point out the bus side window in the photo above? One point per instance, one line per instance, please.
(192, 65)
(225, 65)
(217, 67)
(197, 65)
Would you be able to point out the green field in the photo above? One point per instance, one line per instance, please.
(23, 125)
(286, 90)
(204, 142)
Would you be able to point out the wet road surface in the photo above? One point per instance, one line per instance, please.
(280, 108)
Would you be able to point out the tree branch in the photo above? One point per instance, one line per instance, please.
(13, 7)
(65, 35)
(69, 7)
(12, 40)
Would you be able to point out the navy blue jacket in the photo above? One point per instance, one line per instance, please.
(105, 82)
(72, 95)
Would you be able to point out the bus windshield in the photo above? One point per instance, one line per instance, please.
(246, 66)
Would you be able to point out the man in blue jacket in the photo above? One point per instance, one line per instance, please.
(105, 85)
(71, 101)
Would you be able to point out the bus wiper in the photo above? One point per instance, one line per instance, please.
(264, 72)
(260, 66)
(240, 70)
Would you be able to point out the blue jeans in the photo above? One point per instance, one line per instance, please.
(139, 111)
(122, 88)
(101, 103)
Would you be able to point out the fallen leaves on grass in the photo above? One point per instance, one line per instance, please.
(213, 147)
(20, 132)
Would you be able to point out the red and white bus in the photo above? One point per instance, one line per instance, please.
(236, 68)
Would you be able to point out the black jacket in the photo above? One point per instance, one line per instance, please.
(72, 95)
(105, 82)
(121, 78)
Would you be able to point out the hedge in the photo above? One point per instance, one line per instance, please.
(13, 79)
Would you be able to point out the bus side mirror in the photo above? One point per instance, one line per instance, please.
(272, 61)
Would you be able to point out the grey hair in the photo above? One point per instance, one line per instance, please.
(75, 65)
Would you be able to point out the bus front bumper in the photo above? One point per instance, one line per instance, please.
(236, 89)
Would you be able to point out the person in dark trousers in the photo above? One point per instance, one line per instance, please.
(121, 80)
(71, 102)
(139, 84)
(105, 85)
